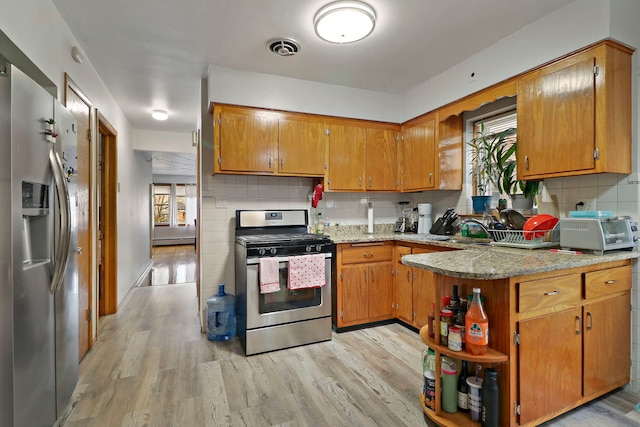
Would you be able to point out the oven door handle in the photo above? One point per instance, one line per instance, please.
(255, 261)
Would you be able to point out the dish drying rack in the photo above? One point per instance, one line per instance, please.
(526, 239)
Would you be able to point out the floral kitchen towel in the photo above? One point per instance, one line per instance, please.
(269, 275)
(306, 271)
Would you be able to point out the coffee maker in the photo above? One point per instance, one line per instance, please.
(424, 218)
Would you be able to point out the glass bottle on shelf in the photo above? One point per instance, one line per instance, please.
(463, 388)
(476, 326)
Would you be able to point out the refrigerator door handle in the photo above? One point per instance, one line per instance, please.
(62, 249)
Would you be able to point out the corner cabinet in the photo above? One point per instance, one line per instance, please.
(416, 154)
(574, 114)
(257, 141)
(558, 340)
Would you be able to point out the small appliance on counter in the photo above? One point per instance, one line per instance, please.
(598, 234)
(424, 218)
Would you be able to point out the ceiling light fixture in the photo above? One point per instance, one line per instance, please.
(344, 21)
(160, 115)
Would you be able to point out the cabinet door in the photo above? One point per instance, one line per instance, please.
(379, 278)
(607, 350)
(302, 147)
(449, 154)
(382, 160)
(346, 158)
(423, 292)
(418, 156)
(404, 293)
(549, 363)
(556, 118)
(355, 303)
(247, 141)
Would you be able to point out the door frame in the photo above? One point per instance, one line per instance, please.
(108, 211)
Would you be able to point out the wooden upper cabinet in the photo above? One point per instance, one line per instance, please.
(245, 140)
(417, 154)
(449, 151)
(347, 147)
(381, 164)
(302, 146)
(574, 115)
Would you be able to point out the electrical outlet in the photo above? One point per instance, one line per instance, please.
(222, 202)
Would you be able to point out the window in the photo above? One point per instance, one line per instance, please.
(174, 204)
(495, 124)
(161, 204)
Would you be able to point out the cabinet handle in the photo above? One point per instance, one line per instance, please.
(360, 182)
(611, 282)
(430, 178)
(368, 255)
(548, 294)
(579, 325)
(281, 163)
(526, 162)
(589, 321)
(365, 275)
(373, 277)
(370, 182)
(270, 162)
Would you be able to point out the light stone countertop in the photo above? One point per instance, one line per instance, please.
(483, 262)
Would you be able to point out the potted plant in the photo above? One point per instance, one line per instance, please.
(485, 151)
(522, 193)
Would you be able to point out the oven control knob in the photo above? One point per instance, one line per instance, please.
(261, 251)
(318, 248)
(308, 248)
(272, 251)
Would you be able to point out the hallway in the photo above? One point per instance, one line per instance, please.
(171, 265)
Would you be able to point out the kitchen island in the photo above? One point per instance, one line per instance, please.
(559, 325)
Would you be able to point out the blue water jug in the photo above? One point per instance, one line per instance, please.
(221, 316)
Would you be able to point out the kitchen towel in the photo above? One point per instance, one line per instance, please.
(306, 271)
(269, 275)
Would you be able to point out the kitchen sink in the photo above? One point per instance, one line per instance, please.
(481, 242)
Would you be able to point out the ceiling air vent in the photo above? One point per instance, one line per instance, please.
(283, 46)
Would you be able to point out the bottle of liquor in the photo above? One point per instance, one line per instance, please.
(454, 304)
(463, 389)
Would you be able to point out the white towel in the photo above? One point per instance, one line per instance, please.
(269, 275)
(306, 271)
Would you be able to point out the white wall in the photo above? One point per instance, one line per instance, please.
(37, 28)
(174, 142)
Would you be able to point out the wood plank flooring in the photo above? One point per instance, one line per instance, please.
(153, 367)
(171, 265)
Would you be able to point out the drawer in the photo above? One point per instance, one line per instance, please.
(555, 292)
(367, 252)
(609, 281)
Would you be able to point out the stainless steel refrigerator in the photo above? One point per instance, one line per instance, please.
(38, 289)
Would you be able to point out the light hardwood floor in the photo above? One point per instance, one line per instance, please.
(171, 265)
(152, 367)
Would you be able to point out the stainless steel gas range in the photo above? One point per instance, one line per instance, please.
(283, 317)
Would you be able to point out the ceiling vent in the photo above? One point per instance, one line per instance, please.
(283, 46)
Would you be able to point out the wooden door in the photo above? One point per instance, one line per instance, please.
(81, 108)
(355, 303)
(302, 146)
(381, 164)
(346, 158)
(379, 279)
(247, 141)
(556, 118)
(549, 363)
(607, 346)
(418, 156)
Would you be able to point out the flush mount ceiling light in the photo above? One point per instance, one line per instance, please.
(344, 21)
(160, 115)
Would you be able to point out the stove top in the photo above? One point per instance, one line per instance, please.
(282, 239)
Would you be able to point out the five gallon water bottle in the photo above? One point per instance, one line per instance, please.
(221, 316)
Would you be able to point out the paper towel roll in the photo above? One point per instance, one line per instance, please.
(370, 219)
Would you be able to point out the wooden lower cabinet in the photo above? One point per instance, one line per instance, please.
(558, 339)
(364, 283)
